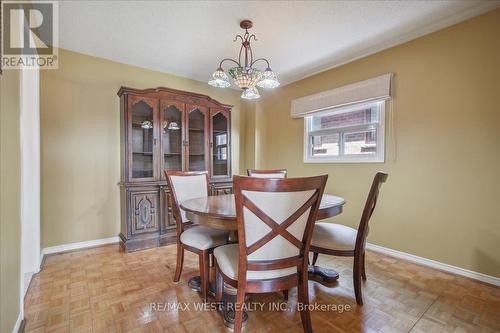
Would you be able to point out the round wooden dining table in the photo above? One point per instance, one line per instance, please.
(219, 212)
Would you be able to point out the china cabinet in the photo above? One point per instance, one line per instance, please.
(167, 129)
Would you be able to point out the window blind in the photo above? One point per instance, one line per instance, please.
(377, 88)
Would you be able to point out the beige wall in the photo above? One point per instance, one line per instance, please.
(441, 199)
(10, 200)
(255, 118)
(80, 142)
(250, 135)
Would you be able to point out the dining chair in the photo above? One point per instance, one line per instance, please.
(197, 239)
(275, 222)
(271, 173)
(341, 240)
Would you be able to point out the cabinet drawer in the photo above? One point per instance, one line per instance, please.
(221, 188)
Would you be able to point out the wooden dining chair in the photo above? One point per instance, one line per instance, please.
(341, 240)
(197, 239)
(275, 222)
(271, 173)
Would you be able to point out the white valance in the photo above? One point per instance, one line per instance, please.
(374, 89)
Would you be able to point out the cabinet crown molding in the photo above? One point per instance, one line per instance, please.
(180, 95)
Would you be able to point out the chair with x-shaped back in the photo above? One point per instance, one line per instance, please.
(269, 173)
(275, 222)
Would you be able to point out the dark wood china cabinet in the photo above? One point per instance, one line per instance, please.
(167, 129)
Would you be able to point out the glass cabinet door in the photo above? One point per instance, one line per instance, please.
(219, 141)
(196, 121)
(171, 129)
(142, 137)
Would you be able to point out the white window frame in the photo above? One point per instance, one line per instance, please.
(378, 157)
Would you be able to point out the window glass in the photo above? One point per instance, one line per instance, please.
(354, 134)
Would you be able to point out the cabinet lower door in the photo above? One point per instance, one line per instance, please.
(145, 209)
(141, 219)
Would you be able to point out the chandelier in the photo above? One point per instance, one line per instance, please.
(244, 75)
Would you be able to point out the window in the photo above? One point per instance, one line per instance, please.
(350, 135)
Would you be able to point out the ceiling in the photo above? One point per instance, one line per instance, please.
(300, 38)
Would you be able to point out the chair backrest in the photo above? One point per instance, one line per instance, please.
(271, 173)
(184, 186)
(370, 204)
(275, 221)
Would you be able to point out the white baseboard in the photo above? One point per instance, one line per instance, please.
(26, 281)
(435, 264)
(79, 245)
(384, 250)
(18, 322)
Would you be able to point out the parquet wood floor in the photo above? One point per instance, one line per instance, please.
(105, 290)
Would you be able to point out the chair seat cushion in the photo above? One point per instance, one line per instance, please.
(334, 236)
(204, 238)
(227, 257)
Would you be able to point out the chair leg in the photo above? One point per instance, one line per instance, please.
(285, 294)
(357, 278)
(238, 314)
(204, 274)
(219, 285)
(303, 298)
(363, 271)
(180, 260)
(315, 258)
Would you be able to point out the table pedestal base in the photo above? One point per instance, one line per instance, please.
(195, 284)
(227, 311)
(229, 296)
(328, 275)
(228, 302)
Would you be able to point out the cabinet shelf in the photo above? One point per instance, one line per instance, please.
(139, 125)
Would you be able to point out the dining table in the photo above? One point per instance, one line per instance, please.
(219, 212)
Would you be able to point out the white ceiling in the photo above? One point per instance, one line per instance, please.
(300, 38)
